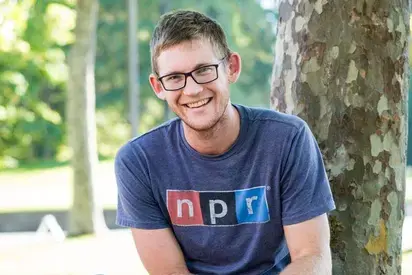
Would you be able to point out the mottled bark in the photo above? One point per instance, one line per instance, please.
(86, 214)
(342, 66)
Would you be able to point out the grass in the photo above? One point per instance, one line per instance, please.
(408, 193)
(41, 165)
(37, 165)
(34, 189)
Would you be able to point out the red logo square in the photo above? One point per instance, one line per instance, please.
(184, 207)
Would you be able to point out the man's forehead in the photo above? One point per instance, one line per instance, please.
(185, 56)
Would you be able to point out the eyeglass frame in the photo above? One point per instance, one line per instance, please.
(190, 74)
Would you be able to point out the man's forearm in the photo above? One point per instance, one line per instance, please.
(309, 265)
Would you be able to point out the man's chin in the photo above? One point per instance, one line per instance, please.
(200, 126)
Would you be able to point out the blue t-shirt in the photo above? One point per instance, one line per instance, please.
(227, 211)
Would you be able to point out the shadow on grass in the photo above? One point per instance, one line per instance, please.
(36, 165)
(42, 164)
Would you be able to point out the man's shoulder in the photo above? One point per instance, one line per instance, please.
(154, 139)
(273, 118)
(158, 133)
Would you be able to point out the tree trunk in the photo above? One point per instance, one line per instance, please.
(133, 66)
(164, 7)
(86, 214)
(342, 67)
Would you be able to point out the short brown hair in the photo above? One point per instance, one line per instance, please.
(180, 26)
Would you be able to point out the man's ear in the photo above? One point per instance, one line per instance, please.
(234, 67)
(157, 87)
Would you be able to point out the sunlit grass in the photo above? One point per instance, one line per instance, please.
(408, 194)
(33, 189)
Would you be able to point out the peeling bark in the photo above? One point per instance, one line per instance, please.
(86, 215)
(342, 67)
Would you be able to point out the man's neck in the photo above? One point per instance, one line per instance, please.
(218, 139)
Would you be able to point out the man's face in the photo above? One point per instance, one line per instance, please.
(200, 106)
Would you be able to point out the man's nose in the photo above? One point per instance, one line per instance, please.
(192, 88)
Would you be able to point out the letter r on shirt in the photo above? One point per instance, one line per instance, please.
(251, 205)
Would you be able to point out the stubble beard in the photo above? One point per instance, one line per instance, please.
(212, 127)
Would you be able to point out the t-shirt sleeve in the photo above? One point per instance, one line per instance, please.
(305, 190)
(136, 206)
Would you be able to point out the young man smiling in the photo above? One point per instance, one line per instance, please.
(223, 188)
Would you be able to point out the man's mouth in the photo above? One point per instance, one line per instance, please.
(199, 103)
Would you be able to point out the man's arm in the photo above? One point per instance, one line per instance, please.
(309, 248)
(159, 251)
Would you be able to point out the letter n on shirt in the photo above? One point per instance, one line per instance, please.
(184, 207)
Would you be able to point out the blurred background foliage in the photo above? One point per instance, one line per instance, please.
(35, 37)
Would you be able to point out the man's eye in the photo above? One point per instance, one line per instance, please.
(204, 70)
(174, 78)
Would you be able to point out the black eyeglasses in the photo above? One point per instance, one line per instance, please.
(202, 75)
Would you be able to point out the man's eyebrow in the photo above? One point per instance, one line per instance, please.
(202, 65)
(199, 65)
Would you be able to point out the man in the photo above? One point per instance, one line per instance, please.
(223, 188)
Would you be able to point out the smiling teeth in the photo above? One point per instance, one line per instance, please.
(198, 103)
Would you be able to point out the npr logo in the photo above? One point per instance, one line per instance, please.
(218, 208)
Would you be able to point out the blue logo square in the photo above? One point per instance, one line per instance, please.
(251, 205)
